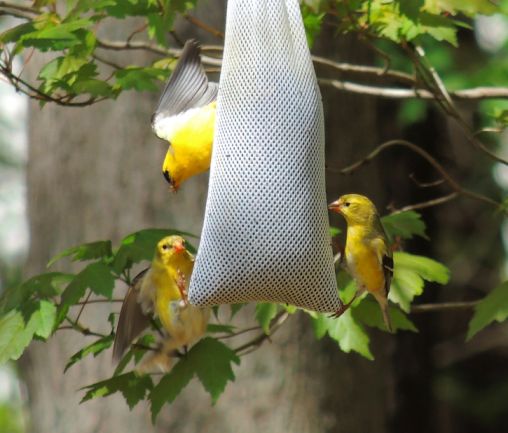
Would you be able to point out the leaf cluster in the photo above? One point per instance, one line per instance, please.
(46, 303)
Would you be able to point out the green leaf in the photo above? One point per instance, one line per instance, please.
(210, 360)
(410, 271)
(141, 245)
(265, 312)
(88, 251)
(404, 224)
(369, 313)
(96, 276)
(92, 349)
(214, 328)
(428, 269)
(347, 286)
(335, 231)
(43, 319)
(141, 79)
(405, 286)
(235, 308)
(14, 336)
(411, 111)
(54, 36)
(133, 388)
(41, 286)
(346, 332)
(494, 307)
(171, 385)
(94, 87)
(15, 33)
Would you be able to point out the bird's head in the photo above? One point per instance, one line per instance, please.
(170, 246)
(356, 208)
(170, 171)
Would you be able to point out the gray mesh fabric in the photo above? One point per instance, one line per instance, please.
(265, 234)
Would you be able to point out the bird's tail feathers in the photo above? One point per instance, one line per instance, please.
(383, 304)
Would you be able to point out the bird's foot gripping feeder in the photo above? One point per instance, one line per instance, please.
(266, 234)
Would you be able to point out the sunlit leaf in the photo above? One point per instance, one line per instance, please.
(134, 388)
(210, 360)
(171, 385)
(369, 313)
(14, 336)
(92, 349)
(346, 331)
(84, 252)
(265, 312)
(404, 224)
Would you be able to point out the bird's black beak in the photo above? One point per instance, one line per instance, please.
(173, 186)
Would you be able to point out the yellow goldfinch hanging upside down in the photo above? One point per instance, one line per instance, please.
(368, 257)
(161, 291)
(185, 117)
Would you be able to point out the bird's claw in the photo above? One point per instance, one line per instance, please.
(181, 284)
(343, 308)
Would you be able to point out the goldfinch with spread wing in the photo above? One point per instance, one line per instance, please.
(367, 255)
(161, 291)
(185, 117)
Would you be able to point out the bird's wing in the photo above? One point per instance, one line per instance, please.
(187, 88)
(132, 320)
(384, 253)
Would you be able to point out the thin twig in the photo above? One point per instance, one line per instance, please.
(425, 155)
(444, 306)
(83, 305)
(426, 184)
(429, 203)
(203, 26)
(436, 86)
(81, 329)
(236, 334)
(99, 301)
(399, 93)
(256, 342)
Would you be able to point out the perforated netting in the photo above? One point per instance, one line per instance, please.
(265, 234)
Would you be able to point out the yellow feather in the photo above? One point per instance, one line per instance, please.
(160, 293)
(191, 145)
(366, 248)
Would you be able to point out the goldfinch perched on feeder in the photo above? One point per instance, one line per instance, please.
(367, 255)
(185, 117)
(161, 291)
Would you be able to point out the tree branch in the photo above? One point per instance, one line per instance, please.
(398, 93)
(257, 341)
(444, 306)
(453, 184)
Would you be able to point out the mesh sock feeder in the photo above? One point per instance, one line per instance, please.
(266, 235)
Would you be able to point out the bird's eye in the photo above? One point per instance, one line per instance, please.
(165, 246)
(346, 204)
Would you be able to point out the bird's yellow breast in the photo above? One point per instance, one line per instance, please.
(191, 141)
(165, 277)
(363, 261)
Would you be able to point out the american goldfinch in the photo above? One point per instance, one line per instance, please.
(367, 255)
(185, 117)
(161, 291)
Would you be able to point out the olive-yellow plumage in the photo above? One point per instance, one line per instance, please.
(367, 255)
(161, 292)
